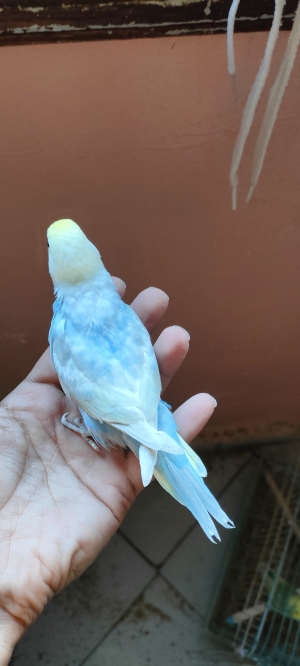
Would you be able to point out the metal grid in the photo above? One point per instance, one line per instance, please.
(259, 606)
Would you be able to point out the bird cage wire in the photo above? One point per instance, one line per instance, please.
(259, 605)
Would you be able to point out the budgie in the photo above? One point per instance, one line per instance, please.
(105, 362)
(283, 598)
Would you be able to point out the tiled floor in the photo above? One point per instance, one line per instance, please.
(147, 598)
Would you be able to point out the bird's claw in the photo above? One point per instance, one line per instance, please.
(79, 427)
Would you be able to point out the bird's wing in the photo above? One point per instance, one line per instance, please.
(108, 368)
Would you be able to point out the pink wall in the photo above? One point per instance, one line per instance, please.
(133, 140)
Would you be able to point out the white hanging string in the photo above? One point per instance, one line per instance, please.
(274, 101)
(230, 45)
(254, 96)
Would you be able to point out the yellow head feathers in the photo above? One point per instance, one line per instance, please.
(72, 257)
(62, 226)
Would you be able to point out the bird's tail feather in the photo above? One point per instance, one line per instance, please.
(182, 476)
(174, 482)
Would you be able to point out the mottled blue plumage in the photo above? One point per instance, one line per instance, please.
(105, 362)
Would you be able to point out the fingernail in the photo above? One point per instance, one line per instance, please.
(183, 329)
(216, 404)
(124, 283)
(161, 291)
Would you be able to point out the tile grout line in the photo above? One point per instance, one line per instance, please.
(234, 477)
(156, 576)
(188, 603)
(178, 543)
(138, 550)
(157, 568)
(218, 496)
(159, 572)
(190, 529)
(120, 619)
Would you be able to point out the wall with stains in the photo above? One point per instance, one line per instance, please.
(133, 140)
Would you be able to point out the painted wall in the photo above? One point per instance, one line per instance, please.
(133, 140)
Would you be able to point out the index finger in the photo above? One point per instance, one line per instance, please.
(150, 306)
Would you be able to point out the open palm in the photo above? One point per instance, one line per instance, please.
(60, 500)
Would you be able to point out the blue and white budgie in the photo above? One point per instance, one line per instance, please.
(105, 362)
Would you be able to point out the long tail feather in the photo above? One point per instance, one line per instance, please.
(174, 481)
(182, 476)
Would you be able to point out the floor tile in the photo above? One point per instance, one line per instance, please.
(222, 468)
(161, 630)
(197, 566)
(77, 619)
(156, 522)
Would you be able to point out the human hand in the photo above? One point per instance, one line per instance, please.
(60, 500)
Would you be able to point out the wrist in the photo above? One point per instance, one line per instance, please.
(10, 632)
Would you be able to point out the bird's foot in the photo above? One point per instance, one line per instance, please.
(79, 427)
